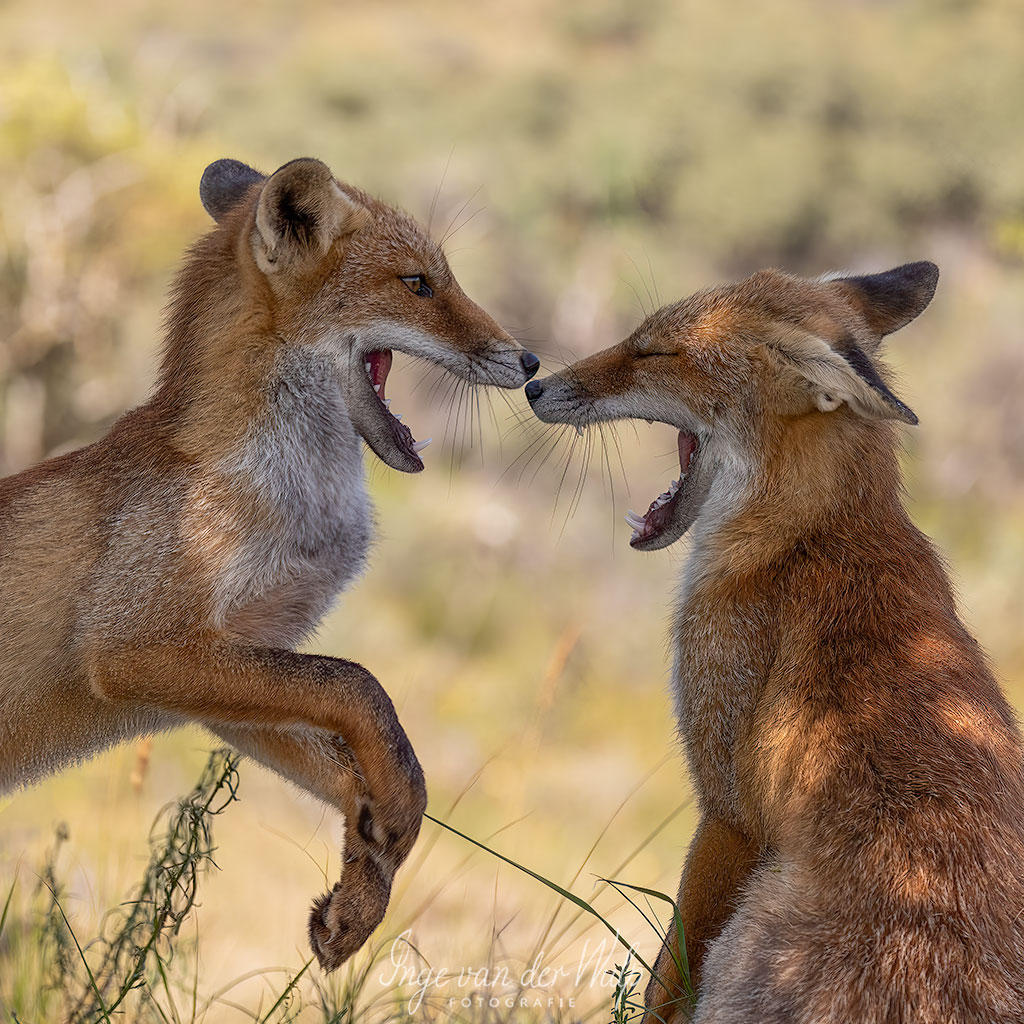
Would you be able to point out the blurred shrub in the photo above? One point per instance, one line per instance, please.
(724, 135)
(90, 214)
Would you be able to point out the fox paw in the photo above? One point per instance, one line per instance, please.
(342, 920)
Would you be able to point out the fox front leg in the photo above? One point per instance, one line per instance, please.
(287, 710)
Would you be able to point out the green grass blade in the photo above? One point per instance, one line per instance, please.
(105, 1013)
(679, 953)
(7, 906)
(288, 990)
(564, 893)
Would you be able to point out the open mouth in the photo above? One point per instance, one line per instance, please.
(662, 513)
(377, 365)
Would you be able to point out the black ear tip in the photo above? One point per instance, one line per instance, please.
(922, 277)
(926, 273)
(224, 183)
(219, 173)
(226, 166)
(932, 275)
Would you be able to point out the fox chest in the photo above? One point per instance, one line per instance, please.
(719, 668)
(308, 532)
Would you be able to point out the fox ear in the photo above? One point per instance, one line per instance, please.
(845, 374)
(302, 211)
(224, 185)
(891, 299)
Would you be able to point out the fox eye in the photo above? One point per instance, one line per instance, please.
(647, 355)
(417, 285)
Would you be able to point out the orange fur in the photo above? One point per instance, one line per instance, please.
(163, 574)
(860, 855)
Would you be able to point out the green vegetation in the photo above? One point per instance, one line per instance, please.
(586, 158)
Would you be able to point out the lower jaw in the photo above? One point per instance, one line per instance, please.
(661, 515)
(641, 537)
(378, 366)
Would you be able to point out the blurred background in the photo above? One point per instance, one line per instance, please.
(585, 161)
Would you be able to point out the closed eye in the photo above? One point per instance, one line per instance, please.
(417, 284)
(648, 355)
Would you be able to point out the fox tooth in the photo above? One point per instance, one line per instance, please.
(368, 367)
(636, 535)
(635, 521)
(387, 403)
(420, 445)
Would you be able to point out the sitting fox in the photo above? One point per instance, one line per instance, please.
(860, 852)
(165, 573)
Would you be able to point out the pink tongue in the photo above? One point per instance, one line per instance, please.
(687, 446)
(380, 366)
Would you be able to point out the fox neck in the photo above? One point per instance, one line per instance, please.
(224, 363)
(237, 399)
(812, 477)
(219, 349)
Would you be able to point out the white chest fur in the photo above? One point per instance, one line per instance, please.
(303, 461)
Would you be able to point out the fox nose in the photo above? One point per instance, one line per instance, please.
(533, 390)
(530, 363)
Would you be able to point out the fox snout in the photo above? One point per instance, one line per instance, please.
(554, 399)
(504, 364)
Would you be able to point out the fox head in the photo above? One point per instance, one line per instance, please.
(336, 269)
(745, 372)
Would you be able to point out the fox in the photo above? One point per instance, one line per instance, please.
(166, 573)
(859, 773)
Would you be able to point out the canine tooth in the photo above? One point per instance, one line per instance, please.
(420, 445)
(368, 367)
(376, 387)
(637, 522)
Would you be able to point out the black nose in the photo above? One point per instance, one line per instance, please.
(530, 363)
(533, 390)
